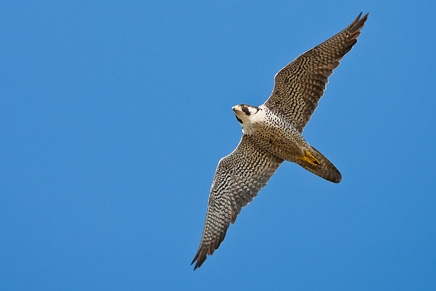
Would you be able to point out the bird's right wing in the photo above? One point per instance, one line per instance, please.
(238, 178)
(300, 85)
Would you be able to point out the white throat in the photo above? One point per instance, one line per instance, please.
(250, 123)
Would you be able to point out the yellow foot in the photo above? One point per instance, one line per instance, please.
(309, 158)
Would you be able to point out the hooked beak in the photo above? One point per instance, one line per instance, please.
(236, 108)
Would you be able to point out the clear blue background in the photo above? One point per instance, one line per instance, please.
(114, 114)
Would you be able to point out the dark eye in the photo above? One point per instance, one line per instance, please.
(237, 118)
(246, 110)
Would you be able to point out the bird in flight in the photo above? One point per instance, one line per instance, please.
(271, 134)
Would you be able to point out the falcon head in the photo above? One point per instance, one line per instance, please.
(247, 114)
(244, 113)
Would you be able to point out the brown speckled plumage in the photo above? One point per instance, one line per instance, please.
(299, 86)
(272, 133)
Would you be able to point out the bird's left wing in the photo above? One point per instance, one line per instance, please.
(238, 178)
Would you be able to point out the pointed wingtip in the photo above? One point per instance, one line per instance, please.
(360, 18)
(198, 260)
(197, 264)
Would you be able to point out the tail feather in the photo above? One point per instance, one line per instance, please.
(316, 163)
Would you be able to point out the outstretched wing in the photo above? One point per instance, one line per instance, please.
(299, 86)
(238, 178)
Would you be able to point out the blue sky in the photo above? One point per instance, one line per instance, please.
(114, 114)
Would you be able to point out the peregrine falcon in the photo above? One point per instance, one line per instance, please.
(271, 134)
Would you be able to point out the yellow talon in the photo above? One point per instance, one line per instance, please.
(309, 158)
